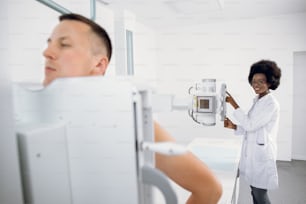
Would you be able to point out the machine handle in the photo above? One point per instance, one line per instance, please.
(167, 148)
(152, 176)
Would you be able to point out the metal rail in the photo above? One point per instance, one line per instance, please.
(55, 6)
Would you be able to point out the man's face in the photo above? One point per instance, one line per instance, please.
(69, 52)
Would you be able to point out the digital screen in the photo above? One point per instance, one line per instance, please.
(204, 103)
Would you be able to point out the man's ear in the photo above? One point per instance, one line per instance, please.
(100, 66)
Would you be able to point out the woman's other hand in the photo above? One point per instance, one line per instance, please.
(229, 124)
(229, 99)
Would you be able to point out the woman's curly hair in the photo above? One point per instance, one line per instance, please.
(269, 69)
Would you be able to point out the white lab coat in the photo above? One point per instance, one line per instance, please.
(258, 154)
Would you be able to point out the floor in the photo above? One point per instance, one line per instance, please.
(292, 185)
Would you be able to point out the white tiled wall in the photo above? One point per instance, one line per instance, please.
(31, 24)
(145, 53)
(225, 51)
(173, 60)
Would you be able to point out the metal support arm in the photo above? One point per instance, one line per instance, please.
(55, 6)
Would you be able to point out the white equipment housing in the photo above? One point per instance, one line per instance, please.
(203, 104)
(87, 140)
(206, 102)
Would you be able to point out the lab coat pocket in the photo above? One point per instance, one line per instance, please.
(262, 153)
(260, 140)
(261, 137)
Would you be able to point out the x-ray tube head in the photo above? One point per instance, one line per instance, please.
(206, 102)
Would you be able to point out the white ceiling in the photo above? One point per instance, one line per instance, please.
(168, 13)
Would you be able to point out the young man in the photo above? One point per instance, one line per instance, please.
(80, 47)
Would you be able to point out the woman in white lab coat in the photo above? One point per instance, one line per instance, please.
(259, 129)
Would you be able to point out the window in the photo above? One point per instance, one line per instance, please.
(129, 52)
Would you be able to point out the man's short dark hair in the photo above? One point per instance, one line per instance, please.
(96, 28)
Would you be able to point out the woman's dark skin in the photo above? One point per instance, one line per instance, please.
(260, 86)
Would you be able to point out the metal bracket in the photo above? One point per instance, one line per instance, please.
(55, 6)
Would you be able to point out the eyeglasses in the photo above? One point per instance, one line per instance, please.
(259, 82)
